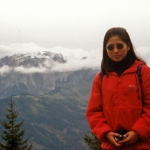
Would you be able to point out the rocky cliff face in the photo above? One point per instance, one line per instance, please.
(45, 59)
(13, 81)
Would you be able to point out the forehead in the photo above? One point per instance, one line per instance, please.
(114, 40)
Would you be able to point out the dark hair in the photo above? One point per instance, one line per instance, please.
(107, 63)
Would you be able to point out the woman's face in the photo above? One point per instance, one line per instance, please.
(116, 48)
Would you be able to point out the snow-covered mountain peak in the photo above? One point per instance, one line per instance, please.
(44, 54)
(35, 59)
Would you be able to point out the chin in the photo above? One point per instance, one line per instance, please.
(118, 60)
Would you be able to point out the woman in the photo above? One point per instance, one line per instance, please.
(117, 112)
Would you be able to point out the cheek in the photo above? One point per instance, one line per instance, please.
(109, 54)
(125, 53)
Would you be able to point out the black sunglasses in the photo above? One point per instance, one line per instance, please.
(111, 47)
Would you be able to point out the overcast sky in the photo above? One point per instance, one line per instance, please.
(31, 25)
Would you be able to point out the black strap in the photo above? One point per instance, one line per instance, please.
(138, 71)
(101, 75)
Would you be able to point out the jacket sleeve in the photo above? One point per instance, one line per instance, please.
(142, 125)
(94, 113)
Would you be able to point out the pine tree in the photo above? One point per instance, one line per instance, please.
(13, 136)
(92, 142)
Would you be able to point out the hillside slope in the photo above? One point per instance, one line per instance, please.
(56, 120)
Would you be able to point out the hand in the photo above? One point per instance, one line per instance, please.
(131, 138)
(111, 137)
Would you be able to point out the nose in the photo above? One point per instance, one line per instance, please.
(115, 49)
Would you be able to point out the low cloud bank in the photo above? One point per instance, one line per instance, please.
(76, 58)
(6, 69)
(144, 53)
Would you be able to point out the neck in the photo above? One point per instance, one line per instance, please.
(119, 67)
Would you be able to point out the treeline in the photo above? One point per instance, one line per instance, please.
(13, 136)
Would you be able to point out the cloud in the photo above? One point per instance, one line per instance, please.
(19, 48)
(72, 23)
(76, 58)
(29, 70)
(4, 69)
(144, 52)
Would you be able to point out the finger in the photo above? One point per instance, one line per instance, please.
(127, 141)
(113, 142)
(124, 141)
(126, 135)
(116, 144)
(116, 135)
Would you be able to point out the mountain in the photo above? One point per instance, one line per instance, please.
(33, 73)
(52, 103)
(28, 60)
(53, 121)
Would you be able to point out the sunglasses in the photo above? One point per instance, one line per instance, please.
(111, 47)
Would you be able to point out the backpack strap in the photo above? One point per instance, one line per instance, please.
(138, 71)
(101, 74)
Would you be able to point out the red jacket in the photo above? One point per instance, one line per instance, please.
(115, 103)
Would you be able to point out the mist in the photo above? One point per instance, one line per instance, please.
(76, 59)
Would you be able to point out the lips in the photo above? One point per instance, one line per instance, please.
(116, 55)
